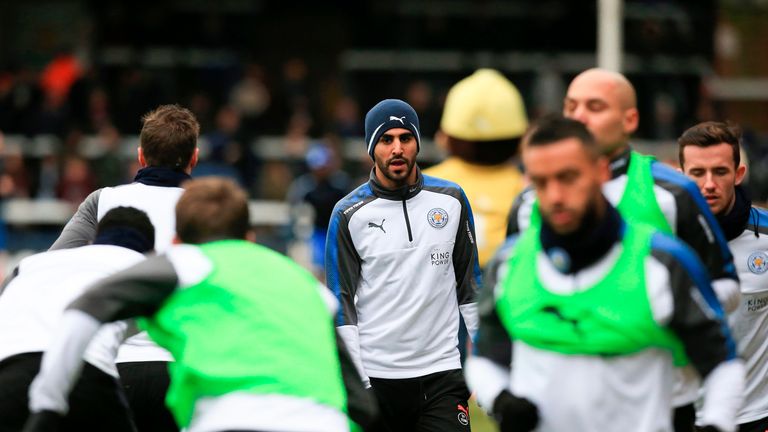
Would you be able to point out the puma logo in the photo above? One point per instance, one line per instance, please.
(400, 119)
(379, 226)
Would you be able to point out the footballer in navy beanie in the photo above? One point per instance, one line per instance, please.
(390, 114)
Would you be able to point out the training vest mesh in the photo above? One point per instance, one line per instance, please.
(638, 201)
(255, 324)
(610, 318)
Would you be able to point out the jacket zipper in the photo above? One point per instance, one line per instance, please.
(407, 222)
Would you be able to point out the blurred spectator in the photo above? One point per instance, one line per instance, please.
(47, 177)
(346, 119)
(201, 106)
(99, 115)
(53, 116)
(419, 96)
(77, 180)
(108, 165)
(6, 187)
(296, 141)
(548, 90)
(274, 181)
(58, 76)
(16, 182)
(228, 151)
(136, 95)
(6, 100)
(295, 85)
(250, 97)
(321, 188)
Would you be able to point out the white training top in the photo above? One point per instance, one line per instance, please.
(46, 283)
(159, 203)
(750, 321)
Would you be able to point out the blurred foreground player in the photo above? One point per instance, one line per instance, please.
(31, 305)
(251, 331)
(592, 313)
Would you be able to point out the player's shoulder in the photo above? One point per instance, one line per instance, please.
(432, 182)
(360, 196)
(673, 252)
(673, 180)
(758, 220)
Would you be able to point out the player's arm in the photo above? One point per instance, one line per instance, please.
(488, 369)
(361, 404)
(137, 291)
(342, 272)
(698, 228)
(9, 279)
(466, 267)
(81, 228)
(699, 321)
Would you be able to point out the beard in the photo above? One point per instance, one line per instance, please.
(583, 218)
(399, 178)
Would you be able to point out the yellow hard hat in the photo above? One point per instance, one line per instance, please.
(484, 106)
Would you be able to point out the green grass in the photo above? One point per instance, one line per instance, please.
(479, 421)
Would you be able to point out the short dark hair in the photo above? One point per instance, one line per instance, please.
(127, 227)
(554, 127)
(711, 133)
(212, 208)
(169, 136)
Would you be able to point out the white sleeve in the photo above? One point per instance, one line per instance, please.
(471, 319)
(351, 337)
(62, 362)
(723, 396)
(328, 298)
(728, 292)
(486, 379)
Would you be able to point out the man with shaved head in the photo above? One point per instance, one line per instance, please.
(645, 191)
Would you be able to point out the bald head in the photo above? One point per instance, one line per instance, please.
(610, 82)
(606, 102)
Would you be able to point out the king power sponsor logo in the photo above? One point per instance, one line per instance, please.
(438, 258)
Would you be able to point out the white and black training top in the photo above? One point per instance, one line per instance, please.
(43, 285)
(403, 263)
(159, 202)
(750, 321)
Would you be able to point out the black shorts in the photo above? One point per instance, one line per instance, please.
(97, 401)
(145, 385)
(755, 426)
(432, 403)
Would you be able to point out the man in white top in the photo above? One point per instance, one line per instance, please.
(31, 303)
(167, 153)
(710, 155)
(401, 258)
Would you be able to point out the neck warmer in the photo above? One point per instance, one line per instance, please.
(125, 237)
(735, 221)
(573, 252)
(161, 176)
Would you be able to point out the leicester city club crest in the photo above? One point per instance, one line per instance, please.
(757, 262)
(437, 217)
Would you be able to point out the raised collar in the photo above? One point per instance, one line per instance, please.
(620, 164)
(401, 193)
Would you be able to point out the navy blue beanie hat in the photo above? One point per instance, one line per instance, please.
(390, 114)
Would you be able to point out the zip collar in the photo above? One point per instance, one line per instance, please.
(401, 193)
(620, 164)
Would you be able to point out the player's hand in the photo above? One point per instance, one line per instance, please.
(43, 421)
(515, 414)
